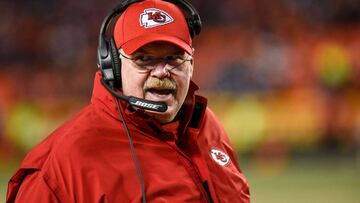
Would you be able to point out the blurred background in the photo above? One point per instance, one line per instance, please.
(282, 76)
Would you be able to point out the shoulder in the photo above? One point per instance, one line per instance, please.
(212, 125)
(33, 173)
(210, 116)
(80, 137)
(71, 145)
(74, 134)
(214, 135)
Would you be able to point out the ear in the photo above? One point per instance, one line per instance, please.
(192, 63)
(191, 68)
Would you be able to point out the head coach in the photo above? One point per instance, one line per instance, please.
(145, 136)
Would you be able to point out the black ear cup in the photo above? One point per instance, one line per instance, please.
(194, 27)
(105, 62)
(192, 16)
(116, 63)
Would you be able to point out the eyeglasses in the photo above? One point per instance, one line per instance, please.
(148, 62)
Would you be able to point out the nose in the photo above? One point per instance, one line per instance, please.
(160, 71)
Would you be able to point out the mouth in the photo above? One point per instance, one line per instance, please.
(160, 91)
(160, 94)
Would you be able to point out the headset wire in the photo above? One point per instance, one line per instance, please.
(141, 180)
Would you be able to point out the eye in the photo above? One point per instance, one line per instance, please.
(173, 57)
(175, 60)
(143, 59)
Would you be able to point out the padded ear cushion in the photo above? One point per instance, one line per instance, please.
(116, 63)
(191, 26)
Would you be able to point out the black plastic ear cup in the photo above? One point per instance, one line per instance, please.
(196, 25)
(192, 16)
(116, 63)
(193, 27)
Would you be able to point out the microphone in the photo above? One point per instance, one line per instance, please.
(135, 101)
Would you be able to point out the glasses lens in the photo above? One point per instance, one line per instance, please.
(144, 60)
(148, 62)
(175, 60)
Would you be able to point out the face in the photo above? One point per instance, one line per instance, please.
(159, 80)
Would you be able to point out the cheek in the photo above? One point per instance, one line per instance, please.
(132, 81)
(183, 86)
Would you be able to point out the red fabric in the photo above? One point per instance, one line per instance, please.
(88, 159)
(150, 21)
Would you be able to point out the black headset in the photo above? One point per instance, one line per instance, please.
(109, 62)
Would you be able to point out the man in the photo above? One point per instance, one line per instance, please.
(113, 151)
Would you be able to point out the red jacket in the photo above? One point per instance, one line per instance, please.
(88, 159)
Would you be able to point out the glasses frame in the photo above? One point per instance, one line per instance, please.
(152, 65)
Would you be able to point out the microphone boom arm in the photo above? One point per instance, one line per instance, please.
(135, 101)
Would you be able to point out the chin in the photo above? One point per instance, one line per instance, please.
(163, 117)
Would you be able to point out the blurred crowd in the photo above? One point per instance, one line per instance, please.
(291, 67)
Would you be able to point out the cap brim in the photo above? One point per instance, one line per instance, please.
(135, 44)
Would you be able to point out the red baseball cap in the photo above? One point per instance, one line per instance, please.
(150, 21)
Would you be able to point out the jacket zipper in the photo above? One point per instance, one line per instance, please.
(193, 171)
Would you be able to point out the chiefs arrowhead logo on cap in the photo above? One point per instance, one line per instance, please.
(220, 157)
(153, 17)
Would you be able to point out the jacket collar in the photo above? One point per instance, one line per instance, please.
(189, 112)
